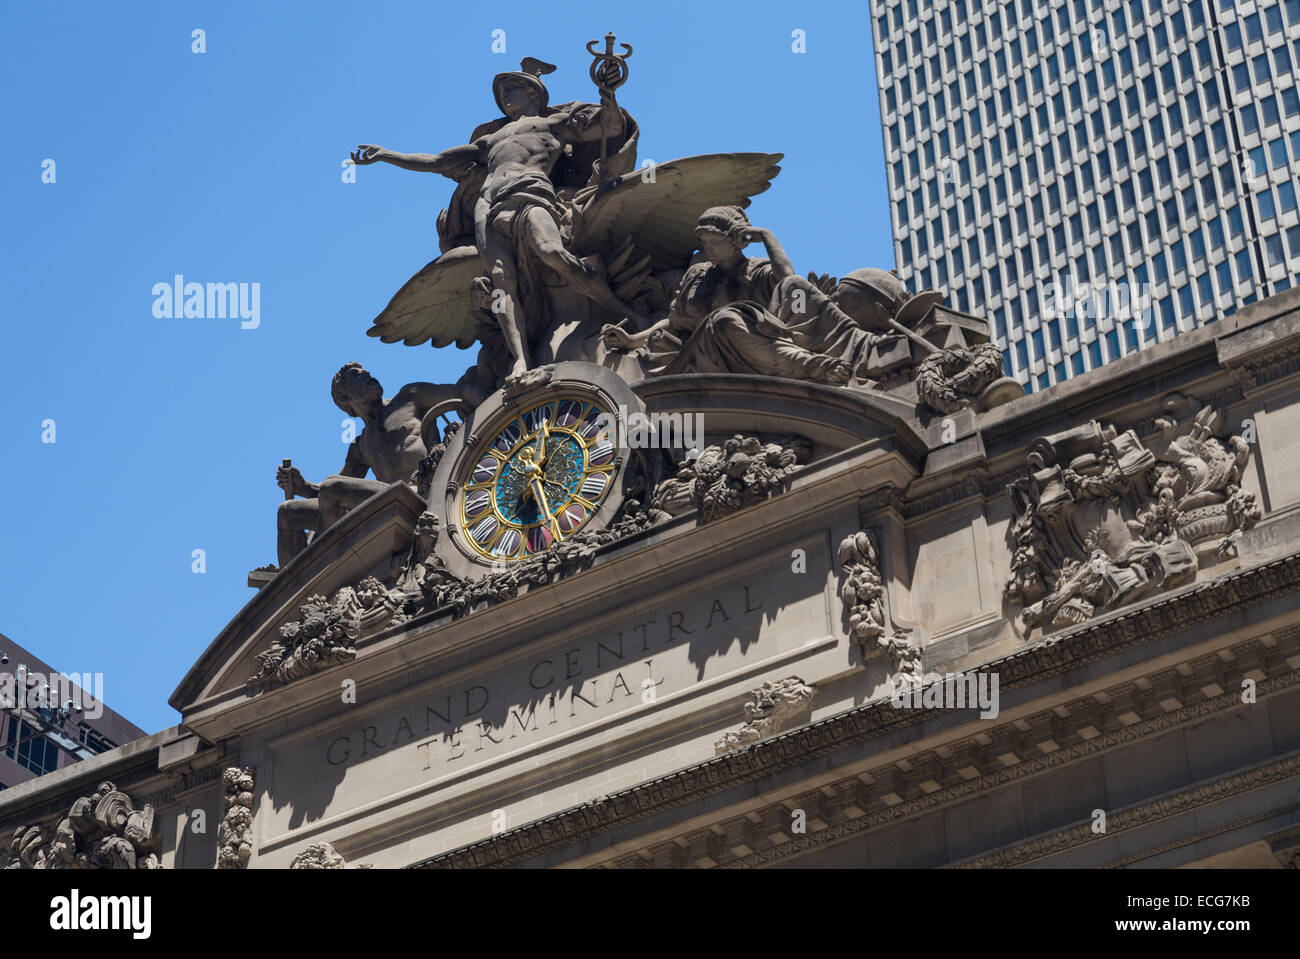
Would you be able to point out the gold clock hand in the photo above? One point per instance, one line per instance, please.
(543, 440)
(539, 494)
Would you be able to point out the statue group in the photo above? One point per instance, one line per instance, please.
(555, 246)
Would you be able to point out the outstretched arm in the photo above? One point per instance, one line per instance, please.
(446, 162)
(426, 396)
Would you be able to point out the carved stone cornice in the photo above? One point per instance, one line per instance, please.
(1146, 813)
(1252, 375)
(966, 756)
(1172, 614)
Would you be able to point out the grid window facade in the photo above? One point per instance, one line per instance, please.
(26, 746)
(1112, 172)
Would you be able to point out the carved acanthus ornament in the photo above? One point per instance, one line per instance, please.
(723, 479)
(773, 707)
(101, 831)
(235, 835)
(1104, 520)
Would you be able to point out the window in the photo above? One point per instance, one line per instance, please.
(1281, 61)
(1291, 101)
(1286, 196)
(1235, 221)
(1267, 205)
(1260, 67)
(1249, 118)
(1244, 271)
(1277, 153)
(31, 750)
(1254, 29)
(1269, 110)
(1207, 190)
(1205, 289)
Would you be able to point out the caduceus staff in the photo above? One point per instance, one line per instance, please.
(608, 72)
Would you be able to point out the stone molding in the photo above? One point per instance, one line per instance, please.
(1146, 813)
(929, 772)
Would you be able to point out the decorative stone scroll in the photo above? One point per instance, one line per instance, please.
(774, 707)
(235, 835)
(101, 831)
(1105, 519)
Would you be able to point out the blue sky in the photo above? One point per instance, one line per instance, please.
(225, 167)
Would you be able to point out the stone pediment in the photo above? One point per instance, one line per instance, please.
(831, 419)
(360, 544)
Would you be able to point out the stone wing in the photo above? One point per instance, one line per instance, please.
(434, 304)
(660, 214)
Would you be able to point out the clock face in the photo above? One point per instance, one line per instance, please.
(538, 479)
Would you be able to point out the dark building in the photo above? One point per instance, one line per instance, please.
(49, 720)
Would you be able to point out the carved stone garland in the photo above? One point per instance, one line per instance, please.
(235, 835)
(774, 707)
(862, 593)
(321, 855)
(724, 479)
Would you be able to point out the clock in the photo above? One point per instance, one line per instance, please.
(532, 467)
(540, 478)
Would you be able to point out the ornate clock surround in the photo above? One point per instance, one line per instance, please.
(453, 480)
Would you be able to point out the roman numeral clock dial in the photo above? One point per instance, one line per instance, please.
(538, 479)
(534, 465)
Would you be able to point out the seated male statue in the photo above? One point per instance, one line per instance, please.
(390, 445)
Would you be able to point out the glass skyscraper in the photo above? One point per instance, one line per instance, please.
(1093, 176)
